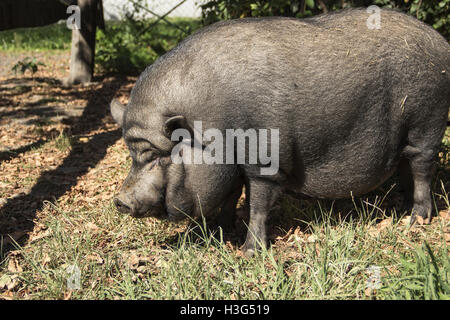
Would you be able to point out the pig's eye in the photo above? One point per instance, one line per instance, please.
(146, 155)
(154, 163)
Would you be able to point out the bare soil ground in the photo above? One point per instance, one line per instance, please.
(37, 109)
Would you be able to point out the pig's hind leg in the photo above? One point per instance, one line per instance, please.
(416, 172)
(422, 172)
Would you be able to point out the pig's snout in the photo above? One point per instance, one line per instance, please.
(142, 193)
(150, 206)
(127, 206)
(122, 207)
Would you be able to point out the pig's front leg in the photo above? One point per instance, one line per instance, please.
(262, 195)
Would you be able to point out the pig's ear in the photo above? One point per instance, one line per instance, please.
(117, 111)
(174, 123)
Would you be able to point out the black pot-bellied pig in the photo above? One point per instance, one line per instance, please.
(351, 102)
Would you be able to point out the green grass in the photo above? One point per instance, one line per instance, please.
(63, 142)
(320, 250)
(51, 37)
(425, 277)
(123, 258)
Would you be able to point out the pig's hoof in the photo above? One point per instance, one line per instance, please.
(419, 220)
(248, 253)
(421, 216)
(248, 249)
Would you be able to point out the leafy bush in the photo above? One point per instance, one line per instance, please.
(119, 51)
(433, 12)
(216, 10)
(129, 46)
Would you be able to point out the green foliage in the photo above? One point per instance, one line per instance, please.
(133, 44)
(435, 13)
(130, 46)
(216, 10)
(118, 52)
(27, 64)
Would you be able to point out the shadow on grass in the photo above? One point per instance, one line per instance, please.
(18, 213)
(10, 154)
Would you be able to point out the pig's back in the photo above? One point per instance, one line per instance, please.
(314, 67)
(342, 95)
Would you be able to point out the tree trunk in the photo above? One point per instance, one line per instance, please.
(100, 16)
(83, 44)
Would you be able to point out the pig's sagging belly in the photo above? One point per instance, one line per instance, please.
(319, 184)
(336, 178)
